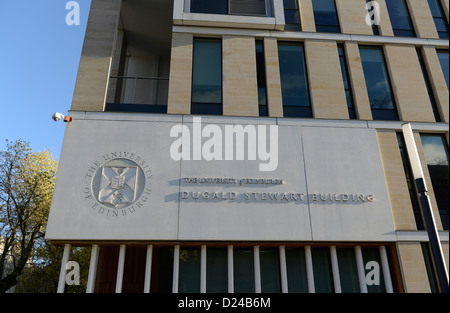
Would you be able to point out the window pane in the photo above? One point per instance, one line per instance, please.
(261, 78)
(244, 272)
(400, 19)
(208, 6)
(294, 85)
(325, 16)
(443, 58)
(439, 18)
(375, 272)
(217, 270)
(436, 155)
(165, 271)
(377, 79)
(323, 277)
(347, 86)
(189, 272)
(207, 76)
(429, 266)
(296, 270)
(269, 260)
(290, 4)
(348, 271)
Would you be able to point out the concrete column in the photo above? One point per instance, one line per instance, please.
(325, 80)
(385, 26)
(240, 86)
(413, 267)
(357, 81)
(422, 19)
(352, 17)
(408, 84)
(180, 82)
(96, 56)
(307, 15)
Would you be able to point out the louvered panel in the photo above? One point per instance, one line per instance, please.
(247, 7)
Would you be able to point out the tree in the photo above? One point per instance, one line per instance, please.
(26, 186)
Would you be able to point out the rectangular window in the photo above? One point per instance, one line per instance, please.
(325, 16)
(232, 7)
(294, 82)
(439, 18)
(261, 78)
(164, 269)
(208, 6)
(428, 84)
(443, 59)
(217, 270)
(269, 260)
(378, 84)
(189, 272)
(296, 270)
(347, 85)
(244, 270)
(409, 181)
(323, 276)
(436, 155)
(291, 15)
(348, 271)
(400, 18)
(207, 77)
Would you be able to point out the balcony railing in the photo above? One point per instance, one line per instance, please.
(138, 94)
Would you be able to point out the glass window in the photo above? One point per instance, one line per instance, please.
(436, 155)
(165, 269)
(443, 58)
(409, 181)
(217, 270)
(378, 84)
(269, 261)
(325, 16)
(429, 266)
(348, 271)
(375, 272)
(323, 276)
(439, 18)
(244, 271)
(296, 270)
(261, 78)
(347, 85)
(189, 271)
(400, 19)
(428, 84)
(294, 83)
(291, 15)
(207, 77)
(208, 6)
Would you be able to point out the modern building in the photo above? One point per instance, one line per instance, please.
(258, 146)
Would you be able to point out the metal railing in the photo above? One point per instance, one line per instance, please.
(135, 93)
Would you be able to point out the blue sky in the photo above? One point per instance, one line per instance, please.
(39, 60)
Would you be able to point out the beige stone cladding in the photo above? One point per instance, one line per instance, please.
(352, 17)
(413, 267)
(325, 79)
(180, 83)
(240, 89)
(408, 84)
(437, 80)
(273, 83)
(306, 15)
(357, 81)
(422, 19)
(394, 173)
(385, 26)
(96, 57)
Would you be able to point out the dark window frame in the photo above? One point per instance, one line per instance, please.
(346, 81)
(443, 34)
(381, 113)
(327, 28)
(402, 32)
